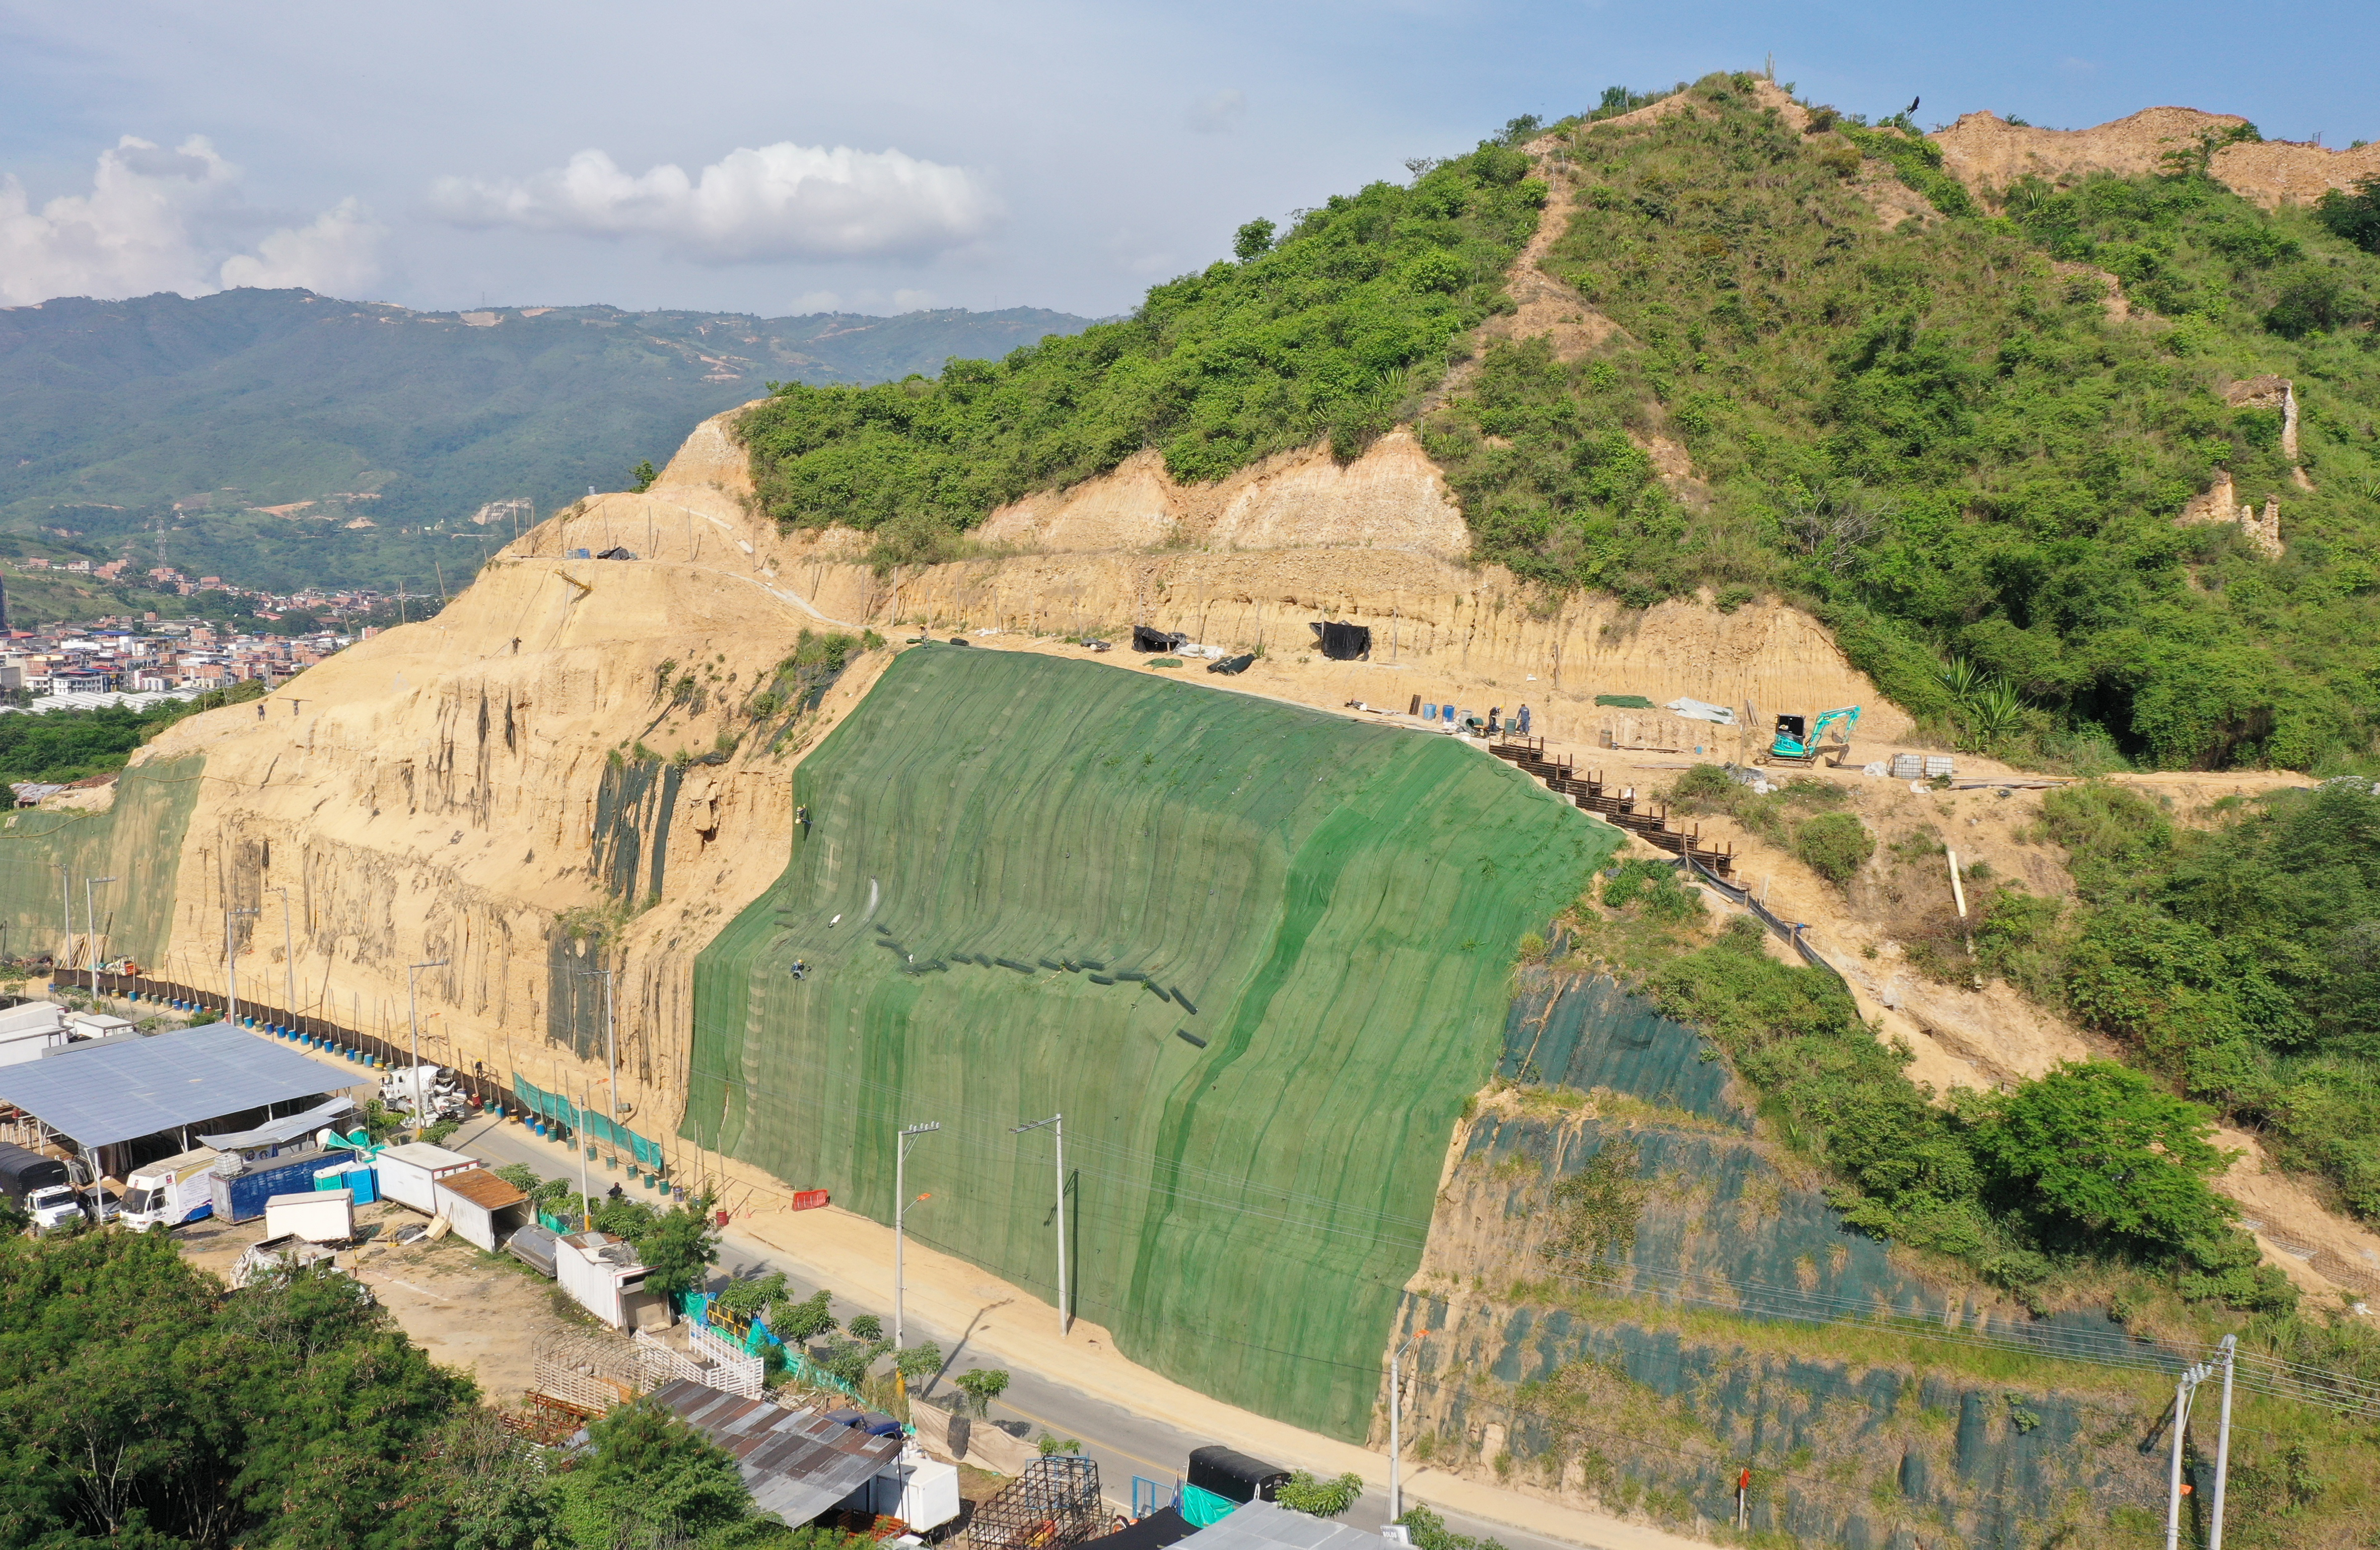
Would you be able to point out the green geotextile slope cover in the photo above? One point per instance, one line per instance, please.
(138, 841)
(1256, 955)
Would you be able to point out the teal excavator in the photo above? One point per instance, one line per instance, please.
(1799, 737)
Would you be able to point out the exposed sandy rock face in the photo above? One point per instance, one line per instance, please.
(1392, 497)
(1442, 632)
(434, 793)
(1988, 154)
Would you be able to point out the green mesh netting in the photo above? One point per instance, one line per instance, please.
(138, 841)
(595, 1127)
(1257, 955)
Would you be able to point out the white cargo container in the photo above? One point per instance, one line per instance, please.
(317, 1215)
(919, 1491)
(173, 1192)
(410, 1173)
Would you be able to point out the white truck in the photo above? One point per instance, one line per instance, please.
(59, 1204)
(427, 1093)
(177, 1189)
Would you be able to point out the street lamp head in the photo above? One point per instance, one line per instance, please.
(926, 1128)
(433, 963)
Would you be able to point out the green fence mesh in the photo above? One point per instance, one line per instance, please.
(1256, 955)
(594, 1127)
(138, 841)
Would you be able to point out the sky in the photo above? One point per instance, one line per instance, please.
(793, 157)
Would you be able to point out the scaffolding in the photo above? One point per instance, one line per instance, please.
(1053, 1504)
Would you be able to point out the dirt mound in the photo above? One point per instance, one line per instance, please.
(1987, 152)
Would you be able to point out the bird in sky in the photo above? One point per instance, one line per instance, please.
(1912, 104)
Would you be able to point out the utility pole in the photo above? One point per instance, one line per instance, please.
(90, 931)
(288, 960)
(413, 1015)
(65, 915)
(1057, 1123)
(1396, 1448)
(900, 1204)
(2228, 1354)
(231, 970)
(2182, 1393)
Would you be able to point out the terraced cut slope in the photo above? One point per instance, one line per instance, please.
(1257, 955)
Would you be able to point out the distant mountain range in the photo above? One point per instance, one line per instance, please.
(280, 438)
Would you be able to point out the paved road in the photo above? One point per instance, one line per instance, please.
(1124, 1442)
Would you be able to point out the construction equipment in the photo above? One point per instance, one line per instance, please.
(1799, 738)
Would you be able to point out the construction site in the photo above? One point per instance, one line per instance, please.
(760, 874)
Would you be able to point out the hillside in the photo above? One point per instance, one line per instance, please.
(1752, 358)
(280, 439)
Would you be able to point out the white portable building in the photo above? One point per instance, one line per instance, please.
(604, 1276)
(410, 1173)
(28, 1030)
(481, 1207)
(921, 1492)
(317, 1215)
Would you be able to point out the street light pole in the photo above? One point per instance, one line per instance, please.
(90, 931)
(66, 914)
(1396, 1446)
(231, 970)
(906, 1139)
(413, 1016)
(1057, 1123)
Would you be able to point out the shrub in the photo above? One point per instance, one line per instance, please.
(2354, 216)
(1320, 1498)
(1654, 889)
(1834, 845)
(982, 1386)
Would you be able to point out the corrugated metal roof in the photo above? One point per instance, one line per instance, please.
(112, 1091)
(482, 1189)
(796, 1464)
(422, 1155)
(1262, 1525)
(287, 1128)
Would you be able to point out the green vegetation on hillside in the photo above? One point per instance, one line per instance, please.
(1939, 437)
(1334, 331)
(2243, 960)
(66, 745)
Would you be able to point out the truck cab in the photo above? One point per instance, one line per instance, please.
(58, 1203)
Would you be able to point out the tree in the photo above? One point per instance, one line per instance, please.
(867, 1327)
(2099, 1149)
(679, 1247)
(1253, 240)
(918, 1362)
(800, 1323)
(642, 478)
(1320, 1498)
(650, 1479)
(982, 1386)
(2355, 216)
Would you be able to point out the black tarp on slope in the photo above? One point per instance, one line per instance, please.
(1344, 643)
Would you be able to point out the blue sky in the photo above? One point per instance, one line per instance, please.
(798, 157)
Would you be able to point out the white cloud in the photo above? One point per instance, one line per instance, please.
(1218, 114)
(338, 255)
(132, 233)
(778, 201)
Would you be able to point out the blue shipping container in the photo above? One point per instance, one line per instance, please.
(241, 1198)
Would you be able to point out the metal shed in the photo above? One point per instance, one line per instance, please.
(796, 1464)
(109, 1091)
(1263, 1525)
(481, 1209)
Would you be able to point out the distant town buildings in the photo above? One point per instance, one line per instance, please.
(117, 658)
